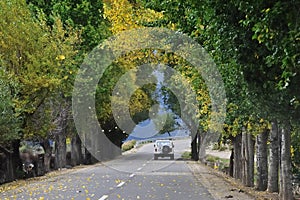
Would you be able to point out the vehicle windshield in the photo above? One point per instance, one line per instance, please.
(162, 143)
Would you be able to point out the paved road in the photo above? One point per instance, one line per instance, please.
(131, 176)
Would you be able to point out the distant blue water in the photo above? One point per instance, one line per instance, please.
(176, 133)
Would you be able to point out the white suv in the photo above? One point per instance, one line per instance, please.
(163, 148)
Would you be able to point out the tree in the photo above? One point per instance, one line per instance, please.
(262, 161)
(273, 179)
(82, 15)
(165, 123)
(39, 59)
(109, 107)
(254, 45)
(93, 28)
(10, 126)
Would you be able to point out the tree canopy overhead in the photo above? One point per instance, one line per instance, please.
(36, 58)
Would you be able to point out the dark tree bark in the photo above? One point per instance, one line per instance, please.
(10, 168)
(237, 162)
(262, 160)
(47, 156)
(247, 159)
(60, 151)
(274, 159)
(251, 147)
(76, 153)
(87, 157)
(231, 163)
(285, 164)
(194, 146)
(60, 133)
(16, 160)
(8, 172)
(244, 158)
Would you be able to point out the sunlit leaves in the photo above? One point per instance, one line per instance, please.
(39, 58)
(123, 15)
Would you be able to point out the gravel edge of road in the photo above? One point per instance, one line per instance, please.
(235, 187)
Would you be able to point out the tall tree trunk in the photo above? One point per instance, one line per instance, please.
(8, 168)
(16, 160)
(273, 159)
(202, 146)
(237, 162)
(76, 153)
(262, 160)
(231, 163)
(87, 157)
(285, 164)
(251, 147)
(244, 158)
(60, 136)
(60, 151)
(47, 156)
(247, 159)
(194, 147)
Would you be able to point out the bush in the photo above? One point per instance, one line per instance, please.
(186, 155)
(128, 145)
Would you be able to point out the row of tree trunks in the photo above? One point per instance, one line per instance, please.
(272, 173)
(279, 161)
(242, 158)
(10, 162)
(7, 169)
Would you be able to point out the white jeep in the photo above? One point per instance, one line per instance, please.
(163, 148)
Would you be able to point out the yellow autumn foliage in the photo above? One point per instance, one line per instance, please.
(123, 16)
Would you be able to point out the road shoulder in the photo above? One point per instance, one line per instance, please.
(222, 186)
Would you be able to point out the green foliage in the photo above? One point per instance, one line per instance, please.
(187, 155)
(141, 101)
(9, 122)
(38, 59)
(255, 46)
(128, 145)
(83, 15)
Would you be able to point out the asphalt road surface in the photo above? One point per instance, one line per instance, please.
(132, 176)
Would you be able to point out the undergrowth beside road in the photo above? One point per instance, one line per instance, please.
(187, 155)
(128, 145)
